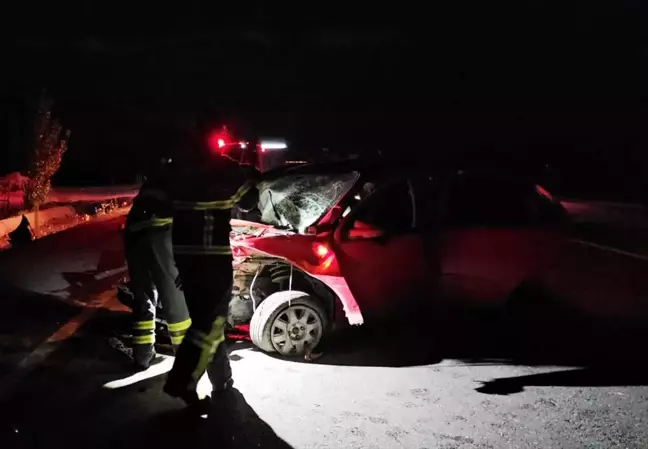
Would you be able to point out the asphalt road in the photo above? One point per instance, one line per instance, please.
(545, 380)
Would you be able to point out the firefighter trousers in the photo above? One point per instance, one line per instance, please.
(151, 267)
(207, 285)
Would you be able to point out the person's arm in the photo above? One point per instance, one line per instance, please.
(250, 198)
(153, 189)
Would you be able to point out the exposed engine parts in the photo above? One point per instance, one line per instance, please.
(256, 278)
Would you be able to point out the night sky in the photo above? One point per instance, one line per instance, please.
(552, 82)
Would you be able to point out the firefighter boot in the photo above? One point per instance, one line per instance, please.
(143, 356)
(220, 371)
(174, 388)
(198, 402)
(195, 404)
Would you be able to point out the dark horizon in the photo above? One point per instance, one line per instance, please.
(556, 85)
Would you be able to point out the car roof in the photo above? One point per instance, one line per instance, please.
(387, 167)
(365, 166)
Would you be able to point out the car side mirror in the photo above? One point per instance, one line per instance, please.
(362, 231)
(320, 229)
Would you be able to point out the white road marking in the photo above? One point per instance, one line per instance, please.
(612, 249)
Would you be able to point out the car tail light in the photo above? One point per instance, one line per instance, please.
(325, 256)
(321, 250)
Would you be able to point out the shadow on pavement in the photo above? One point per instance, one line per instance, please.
(232, 423)
(65, 403)
(31, 309)
(531, 335)
(85, 283)
(585, 377)
(27, 319)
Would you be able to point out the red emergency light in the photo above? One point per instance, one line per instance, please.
(219, 140)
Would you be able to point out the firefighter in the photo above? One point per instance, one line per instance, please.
(153, 274)
(206, 189)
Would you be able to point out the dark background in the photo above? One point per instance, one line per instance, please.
(533, 83)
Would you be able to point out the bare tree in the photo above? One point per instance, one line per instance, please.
(50, 143)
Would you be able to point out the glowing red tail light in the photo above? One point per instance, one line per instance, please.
(321, 250)
(324, 254)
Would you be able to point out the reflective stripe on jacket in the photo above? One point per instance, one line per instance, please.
(152, 208)
(150, 223)
(214, 205)
(203, 227)
(203, 198)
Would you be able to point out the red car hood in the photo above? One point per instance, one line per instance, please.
(308, 252)
(245, 233)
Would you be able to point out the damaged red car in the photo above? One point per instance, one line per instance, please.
(344, 243)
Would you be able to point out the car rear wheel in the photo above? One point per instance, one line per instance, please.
(291, 323)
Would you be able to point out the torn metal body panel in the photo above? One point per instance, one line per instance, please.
(268, 260)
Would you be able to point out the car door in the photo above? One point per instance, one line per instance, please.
(493, 237)
(379, 250)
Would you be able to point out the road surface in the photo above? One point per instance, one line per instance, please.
(455, 383)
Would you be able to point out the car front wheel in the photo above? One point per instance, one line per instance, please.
(291, 323)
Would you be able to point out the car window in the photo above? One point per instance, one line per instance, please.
(388, 208)
(486, 201)
(427, 204)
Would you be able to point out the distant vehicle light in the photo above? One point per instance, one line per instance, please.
(243, 145)
(221, 143)
(273, 145)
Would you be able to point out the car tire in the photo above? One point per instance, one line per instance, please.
(273, 316)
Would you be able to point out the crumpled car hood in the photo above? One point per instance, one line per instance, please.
(298, 201)
(243, 230)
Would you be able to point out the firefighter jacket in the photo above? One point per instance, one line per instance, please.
(203, 199)
(152, 207)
